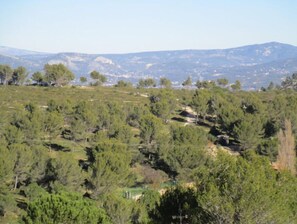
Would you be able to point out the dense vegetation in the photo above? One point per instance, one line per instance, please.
(146, 155)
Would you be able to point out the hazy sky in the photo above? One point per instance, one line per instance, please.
(119, 26)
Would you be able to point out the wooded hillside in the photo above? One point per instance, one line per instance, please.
(103, 154)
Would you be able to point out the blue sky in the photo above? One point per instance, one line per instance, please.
(121, 26)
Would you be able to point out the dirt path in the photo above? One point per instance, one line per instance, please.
(191, 116)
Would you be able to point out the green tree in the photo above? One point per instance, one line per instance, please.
(229, 113)
(179, 204)
(236, 86)
(166, 83)
(149, 126)
(205, 84)
(252, 104)
(150, 199)
(83, 120)
(188, 151)
(242, 190)
(100, 79)
(40, 161)
(61, 106)
(146, 83)
(83, 111)
(30, 122)
(110, 168)
(19, 75)
(38, 77)
(134, 113)
(268, 147)
(8, 205)
(222, 82)
(34, 191)
(6, 165)
(120, 210)
(189, 135)
(52, 125)
(249, 131)
(14, 135)
(66, 171)
(7, 201)
(120, 131)
(183, 159)
(58, 74)
(163, 104)
(145, 206)
(5, 74)
(22, 159)
(185, 97)
(123, 84)
(188, 82)
(155, 139)
(64, 208)
(78, 130)
(83, 79)
(199, 103)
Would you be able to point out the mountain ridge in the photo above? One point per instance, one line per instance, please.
(254, 65)
(140, 52)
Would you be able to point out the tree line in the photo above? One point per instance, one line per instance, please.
(60, 75)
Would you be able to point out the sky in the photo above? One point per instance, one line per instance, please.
(124, 26)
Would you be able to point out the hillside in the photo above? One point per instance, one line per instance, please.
(253, 65)
(110, 153)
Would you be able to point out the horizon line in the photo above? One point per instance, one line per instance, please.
(144, 51)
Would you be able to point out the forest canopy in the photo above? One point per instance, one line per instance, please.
(214, 154)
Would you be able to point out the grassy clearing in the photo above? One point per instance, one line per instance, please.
(12, 98)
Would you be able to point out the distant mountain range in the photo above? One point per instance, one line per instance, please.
(254, 65)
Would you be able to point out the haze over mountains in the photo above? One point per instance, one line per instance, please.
(253, 65)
